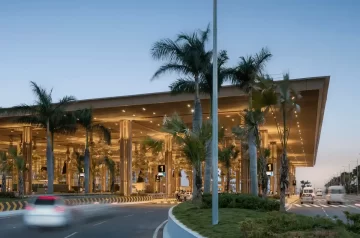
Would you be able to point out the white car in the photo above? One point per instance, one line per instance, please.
(307, 195)
(319, 192)
(336, 194)
(47, 211)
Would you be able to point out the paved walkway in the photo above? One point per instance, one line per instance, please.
(291, 199)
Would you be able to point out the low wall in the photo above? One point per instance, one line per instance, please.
(18, 205)
(175, 229)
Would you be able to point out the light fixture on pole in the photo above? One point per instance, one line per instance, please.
(215, 205)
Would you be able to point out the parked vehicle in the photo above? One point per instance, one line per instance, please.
(336, 194)
(307, 195)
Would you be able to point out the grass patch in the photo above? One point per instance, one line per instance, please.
(235, 222)
(12, 199)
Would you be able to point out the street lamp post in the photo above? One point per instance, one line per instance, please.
(215, 142)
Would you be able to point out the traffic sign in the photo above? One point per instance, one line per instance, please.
(269, 167)
(161, 168)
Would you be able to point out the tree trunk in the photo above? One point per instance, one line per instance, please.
(79, 184)
(284, 171)
(228, 180)
(49, 161)
(3, 183)
(198, 184)
(253, 163)
(264, 177)
(87, 169)
(208, 160)
(197, 123)
(21, 184)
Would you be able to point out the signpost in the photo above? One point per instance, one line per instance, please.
(269, 167)
(161, 168)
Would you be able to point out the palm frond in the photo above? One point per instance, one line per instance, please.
(63, 102)
(156, 146)
(174, 125)
(43, 97)
(261, 58)
(166, 49)
(182, 86)
(31, 120)
(104, 131)
(171, 68)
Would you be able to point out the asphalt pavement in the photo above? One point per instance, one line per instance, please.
(321, 208)
(140, 220)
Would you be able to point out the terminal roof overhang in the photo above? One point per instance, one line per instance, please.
(147, 112)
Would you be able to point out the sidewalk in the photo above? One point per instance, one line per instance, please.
(292, 199)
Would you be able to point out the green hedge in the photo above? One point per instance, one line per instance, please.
(7, 195)
(244, 201)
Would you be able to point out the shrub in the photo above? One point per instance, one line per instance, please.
(7, 195)
(244, 201)
(290, 225)
(353, 222)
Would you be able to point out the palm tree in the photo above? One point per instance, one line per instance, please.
(264, 155)
(245, 77)
(20, 166)
(185, 85)
(226, 156)
(286, 100)
(5, 168)
(85, 119)
(79, 160)
(111, 166)
(193, 146)
(46, 114)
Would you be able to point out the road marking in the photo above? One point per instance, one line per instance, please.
(298, 205)
(333, 206)
(99, 223)
(306, 205)
(352, 206)
(289, 207)
(156, 232)
(71, 235)
(342, 206)
(315, 205)
(323, 205)
(129, 215)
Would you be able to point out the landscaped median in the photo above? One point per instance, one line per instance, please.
(9, 202)
(248, 216)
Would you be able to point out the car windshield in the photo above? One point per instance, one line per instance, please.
(308, 191)
(336, 191)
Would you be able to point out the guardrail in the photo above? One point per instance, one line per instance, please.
(18, 205)
(175, 229)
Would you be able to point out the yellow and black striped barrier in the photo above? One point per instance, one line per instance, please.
(11, 206)
(18, 205)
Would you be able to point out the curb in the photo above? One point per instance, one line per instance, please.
(19, 205)
(175, 229)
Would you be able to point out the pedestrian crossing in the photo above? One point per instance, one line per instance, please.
(324, 205)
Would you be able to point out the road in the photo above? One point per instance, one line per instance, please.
(137, 221)
(321, 208)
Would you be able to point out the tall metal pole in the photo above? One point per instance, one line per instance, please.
(215, 142)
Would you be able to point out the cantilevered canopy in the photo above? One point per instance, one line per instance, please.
(147, 112)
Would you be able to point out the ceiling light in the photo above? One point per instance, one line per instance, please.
(226, 129)
(150, 121)
(140, 132)
(144, 109)
(298, 125)
(12, 131)
(123, 110)
(188, 105)
(222, 127)
(233, 119)
(95, 118)
(37, 133)
(158, 124)
(208, 117)
(154, 113)
(133, 115)
(293, 98)
(77, 119)
(228, 116)
(116, 124)
(192, 110)
(295, 112)
(295, 115)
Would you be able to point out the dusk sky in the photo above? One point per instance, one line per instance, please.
(93, 49)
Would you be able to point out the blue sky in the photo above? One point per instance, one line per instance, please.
(101, 48)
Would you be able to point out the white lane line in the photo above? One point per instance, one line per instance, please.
(352, 206)
(99, 223)
(342, 206)
(323, 205)
(156, 232)
(129, 215)
(289, 207)
(333, 206)
(306, 205)
(71, 235)
(298, 205)
(315, 205)
(327, 214)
